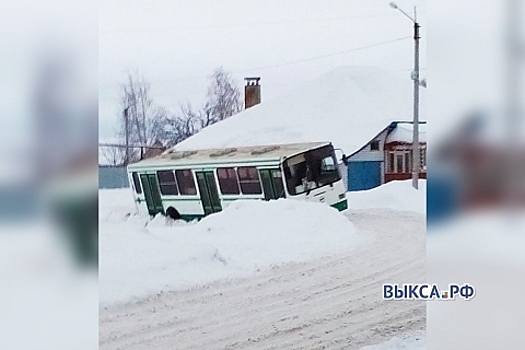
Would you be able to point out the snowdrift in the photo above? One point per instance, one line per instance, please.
(139, 257)
(397, 195)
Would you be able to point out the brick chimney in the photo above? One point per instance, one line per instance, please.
(252, 92)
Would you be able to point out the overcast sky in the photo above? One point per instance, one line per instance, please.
(176, 45)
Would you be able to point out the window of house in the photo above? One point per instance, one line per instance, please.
(400, 162)
(186, 182)
(423, 158)
(408, 163)
(249, 180)
(391, 164)
(400, 157)
(228, 180)
(167, 183)
(374, 146)
(136, 183)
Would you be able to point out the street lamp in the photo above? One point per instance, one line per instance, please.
(415, 78)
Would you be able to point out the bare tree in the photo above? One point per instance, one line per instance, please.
(223, 98)
(223, 101)
(142, 122)
(114, 155)
(117, 152)
(206, 116)
(182, 125)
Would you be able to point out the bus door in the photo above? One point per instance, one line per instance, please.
(211, 202)
(272, 183)
(151, 193)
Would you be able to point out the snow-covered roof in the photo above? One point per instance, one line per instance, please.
(403, 133)
(347, 106)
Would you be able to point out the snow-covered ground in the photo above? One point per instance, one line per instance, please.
(416, 341)
(263, 275)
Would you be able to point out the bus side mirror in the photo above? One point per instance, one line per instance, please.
(340, 156)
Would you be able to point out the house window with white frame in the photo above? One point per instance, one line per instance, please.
(423, 158)
(399, 161)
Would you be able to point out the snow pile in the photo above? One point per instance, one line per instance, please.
(397, 195)
(115, 205)
(140, 257)
(347, 106)
(416, 341)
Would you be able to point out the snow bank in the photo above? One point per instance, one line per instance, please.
(347, 106)
(115, 204)
(397, 195)
(416, 341)
(139, 257)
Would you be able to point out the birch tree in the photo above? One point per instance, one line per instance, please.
(223, 98)
(142, 123)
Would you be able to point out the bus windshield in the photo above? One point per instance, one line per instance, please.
(310, 170)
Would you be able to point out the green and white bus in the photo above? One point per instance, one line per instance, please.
(192, 184)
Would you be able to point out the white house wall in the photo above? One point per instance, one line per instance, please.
(367, 155)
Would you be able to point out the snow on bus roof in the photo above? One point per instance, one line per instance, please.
(347, 106)
(229, 154)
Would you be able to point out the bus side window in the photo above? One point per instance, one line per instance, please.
(249, 180)
(228, 180)
(167, 182)
(186, 182)
(136, 183)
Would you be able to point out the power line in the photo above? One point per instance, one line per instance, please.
(281, 64)
(323, 56)
(119, 145)
(251, 24)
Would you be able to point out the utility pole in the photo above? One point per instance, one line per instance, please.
(415, 137)
(415, 77)
(126, 131)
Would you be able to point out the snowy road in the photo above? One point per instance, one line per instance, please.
(328, 303)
